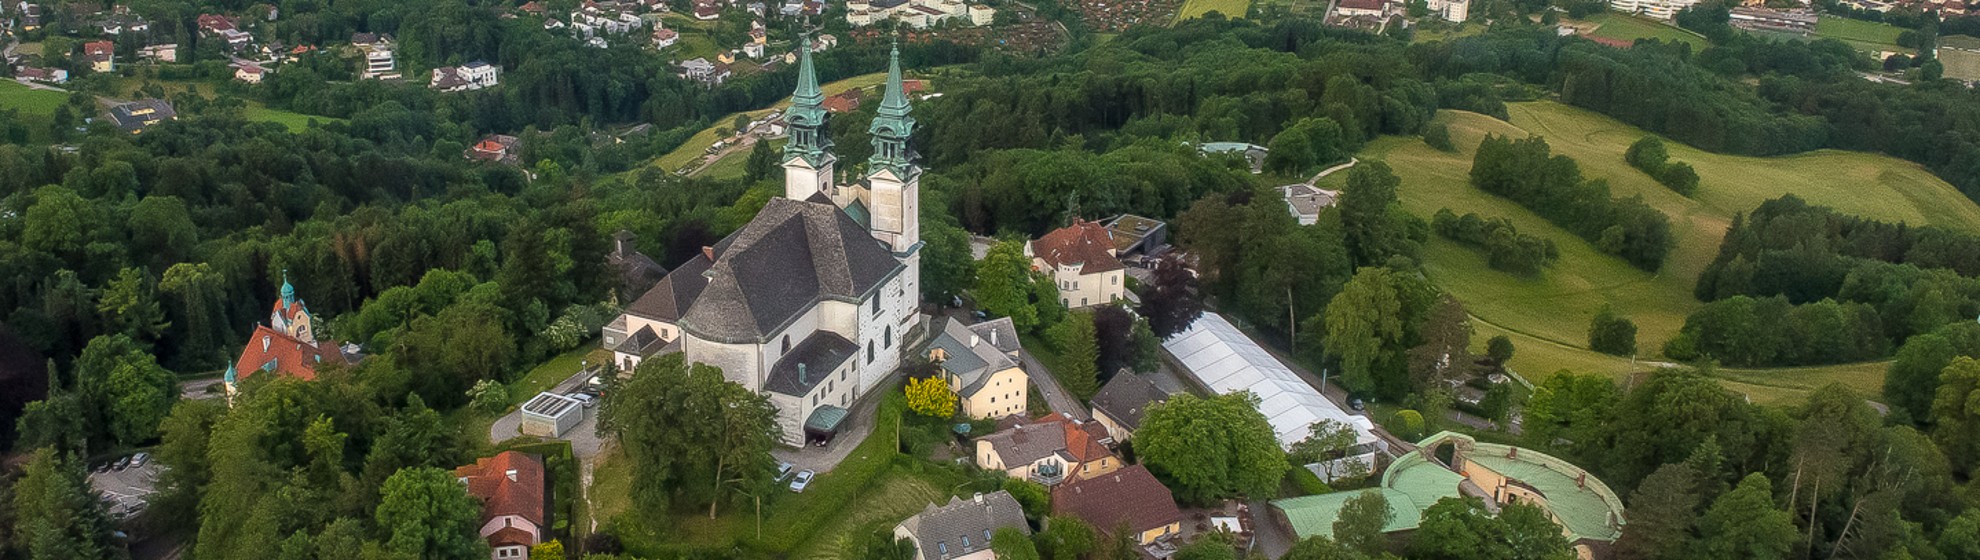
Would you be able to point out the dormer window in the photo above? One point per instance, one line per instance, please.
(264, 343)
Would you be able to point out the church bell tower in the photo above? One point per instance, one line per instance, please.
(892, 175)
(808, 158)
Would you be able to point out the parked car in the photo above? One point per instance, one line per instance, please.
(140, 459)
(588, 400)
(123, 463)
(784, 469)
(803, 479)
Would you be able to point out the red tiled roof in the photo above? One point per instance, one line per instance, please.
(276, 351)
(510, 536)
(215, 23)
(1080, 442)
(1363, 4)
(845, 102)
(291, 310)
(488, 479)
(1083, 242)
(1130, 496)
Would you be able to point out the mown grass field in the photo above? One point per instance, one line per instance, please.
(1630, 28)
(693, 149)
(1197, 8)
(1858, 31)
(1548, 316)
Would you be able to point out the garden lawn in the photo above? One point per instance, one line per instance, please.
(548, 374)
(1627, 27)
(1547, 316)
(296, 122)
(1197, 8)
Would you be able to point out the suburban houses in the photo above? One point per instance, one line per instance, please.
(471, 76)
(917, 13)
(514, 494)
(962, 528)
(980, 362)
(1081, 259)
(1049, 450)
(1305, 201)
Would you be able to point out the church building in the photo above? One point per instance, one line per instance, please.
(809, 303)
(286, 345)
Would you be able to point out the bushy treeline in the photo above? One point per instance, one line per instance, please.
(1649, 156)
(1748, 332)
(1505, 247)
(1525, 171)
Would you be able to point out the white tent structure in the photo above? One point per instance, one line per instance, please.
(1222, 358)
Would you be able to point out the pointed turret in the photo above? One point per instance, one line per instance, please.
(892, 124)
(808, 154)
(288, 291)
(807, 113)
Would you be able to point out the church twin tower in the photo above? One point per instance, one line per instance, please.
(888, 200)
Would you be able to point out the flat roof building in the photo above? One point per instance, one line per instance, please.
(550, 415)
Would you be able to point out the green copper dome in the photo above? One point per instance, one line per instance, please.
(892, 125)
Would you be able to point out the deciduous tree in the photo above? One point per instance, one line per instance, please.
(1208, 449)
(430, 515)
(1745, 524)
(930, 396)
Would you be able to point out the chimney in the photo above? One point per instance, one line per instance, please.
(979, 497)
(1581, 481)
(803, 376)
(973, 339)
(993, 337)
(707, 251)
(512, 475)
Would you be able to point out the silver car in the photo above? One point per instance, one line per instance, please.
(803, 479)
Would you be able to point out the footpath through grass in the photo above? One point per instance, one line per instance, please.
(696, 146)
(1548, 316)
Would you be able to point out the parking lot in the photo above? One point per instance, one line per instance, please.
(127, 490)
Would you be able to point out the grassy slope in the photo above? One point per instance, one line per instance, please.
(1197, 8)
(14, 95)
(1630, 28)
(698, 144)
(1548, 316)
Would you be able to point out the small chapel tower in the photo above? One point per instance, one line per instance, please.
(808, 155)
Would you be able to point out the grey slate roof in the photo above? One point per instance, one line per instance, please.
(1027, 443)
(641, 343)
(973, 364)
(792, 254)
(820, 354)
(1126, 399)
(964, 525)
(669, 299)
(1000, 333)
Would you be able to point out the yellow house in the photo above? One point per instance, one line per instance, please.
(980, 363)
(1082, 260)
(1049, 450)
(1130, 498)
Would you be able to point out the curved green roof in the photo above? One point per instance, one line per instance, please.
(1584, 506)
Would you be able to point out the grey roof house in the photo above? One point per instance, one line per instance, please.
(980, 363)
(962, 529)
(1123, 401)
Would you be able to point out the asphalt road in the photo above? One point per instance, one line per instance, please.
(1061, 401)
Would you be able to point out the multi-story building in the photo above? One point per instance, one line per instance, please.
(1080, 258)
(1660, 9)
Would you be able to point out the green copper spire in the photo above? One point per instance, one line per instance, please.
(807, 114)
(891, 124)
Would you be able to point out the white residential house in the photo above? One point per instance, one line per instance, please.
(663, 38)
(163, 52)
(379, 63)
(248, 72)
(1081, 259)
(467, 77)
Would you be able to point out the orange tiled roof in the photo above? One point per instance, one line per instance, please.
(488, 480)
(272, 350)
(1084, 243)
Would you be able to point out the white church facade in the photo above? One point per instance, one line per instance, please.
(811, 302)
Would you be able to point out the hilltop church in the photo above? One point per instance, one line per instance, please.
(810, 302)
(286, 345)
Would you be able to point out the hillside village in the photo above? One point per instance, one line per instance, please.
(989, 280)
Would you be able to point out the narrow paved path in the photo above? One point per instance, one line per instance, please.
(1330, 171)
(1056, 395)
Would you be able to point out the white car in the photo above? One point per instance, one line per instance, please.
(803, 479)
